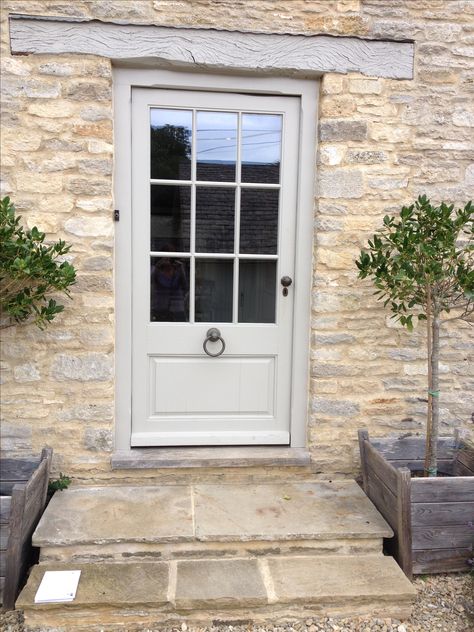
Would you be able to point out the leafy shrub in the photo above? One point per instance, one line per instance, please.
(30, 270)
(58, 484)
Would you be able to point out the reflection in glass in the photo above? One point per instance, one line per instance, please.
(169, 289)
(171, 144)
(170, 207)
(259, 221)
(215, 219)
(216, 135)
(261, 147)
(257, 286)
(214, 283)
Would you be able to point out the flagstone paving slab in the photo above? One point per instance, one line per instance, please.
(308, 580)
(107, 585)
(219, 583)
(115, 514)
(293, 511)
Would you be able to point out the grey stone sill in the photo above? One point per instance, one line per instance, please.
(157, 458)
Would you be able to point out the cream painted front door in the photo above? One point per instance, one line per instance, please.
(214, 193)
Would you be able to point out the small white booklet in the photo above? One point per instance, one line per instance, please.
(57, 586)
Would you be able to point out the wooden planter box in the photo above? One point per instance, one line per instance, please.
(23, 489)
(432, 518)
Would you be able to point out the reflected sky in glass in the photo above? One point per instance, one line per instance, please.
(261, 138)
(216, 134)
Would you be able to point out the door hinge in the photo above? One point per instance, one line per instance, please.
(116, 215)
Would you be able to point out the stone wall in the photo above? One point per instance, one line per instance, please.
(382, 142)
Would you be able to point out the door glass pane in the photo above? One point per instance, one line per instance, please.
(257, 285)
(214, 283)
(215, 219)
(171, 144)
(170, 207)
(216, 134)
(169, 293)
(259, 221)
(261, 147)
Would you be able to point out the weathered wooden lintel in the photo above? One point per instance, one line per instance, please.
(210, 49)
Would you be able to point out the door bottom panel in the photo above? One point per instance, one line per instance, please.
(150, 439)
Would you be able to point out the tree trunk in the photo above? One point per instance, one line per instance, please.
(429, 412)
(434, 393)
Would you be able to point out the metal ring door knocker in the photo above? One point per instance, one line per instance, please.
(213, 335)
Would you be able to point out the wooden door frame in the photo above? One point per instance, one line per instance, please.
(124, 79)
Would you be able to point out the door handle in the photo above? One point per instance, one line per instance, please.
(213, 335)
(286, 281)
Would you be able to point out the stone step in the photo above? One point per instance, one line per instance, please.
(137, 596)
(185, 522)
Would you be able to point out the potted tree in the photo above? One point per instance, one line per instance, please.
(422, 265)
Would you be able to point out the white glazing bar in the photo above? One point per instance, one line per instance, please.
(192, 245)
(211, 183)
(169, 255)
(235, 305)
(258, 257)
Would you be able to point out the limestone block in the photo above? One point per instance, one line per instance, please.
(366, 157)
(99, 166)
(338, 106)
(335, 408)
(28, 182)
(391, 133)
(341, 184)
(95, 113)
(89, 367)
(20, 140)
(52, 109)
(27, 372)
(332, 84)
(98, 263)
(93, 205)
(365, 86)
(42, 90)
(99, 147)
(342, 130)
(56, 69)
(87, 412)
(98, 439)
(87, 91)
(89, 226)
(388, 184)
(83, 186)
(463, 118)
(58, 144)
(331, 154)
(15, 437)
(14, 66)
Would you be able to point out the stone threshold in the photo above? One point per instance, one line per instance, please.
(227, 457)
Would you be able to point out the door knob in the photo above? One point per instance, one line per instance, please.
(286, 281)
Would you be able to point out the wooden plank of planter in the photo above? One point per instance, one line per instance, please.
(13, 471)
(454, 536)
(461, 470)
(413, 448)
(4, 534)
(5, 505)
(363, 436)
(459, 488)
(404, 556)
(383, 498)
(13, 569)
(441, 561)
(384, 470)
(441, 514)
(445, 466)
(34, 497)
(465, 458)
